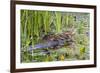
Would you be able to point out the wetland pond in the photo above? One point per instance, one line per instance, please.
(54, 36)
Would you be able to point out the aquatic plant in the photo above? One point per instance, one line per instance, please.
(58, 22)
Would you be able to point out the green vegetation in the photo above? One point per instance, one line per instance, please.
(35, 25)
